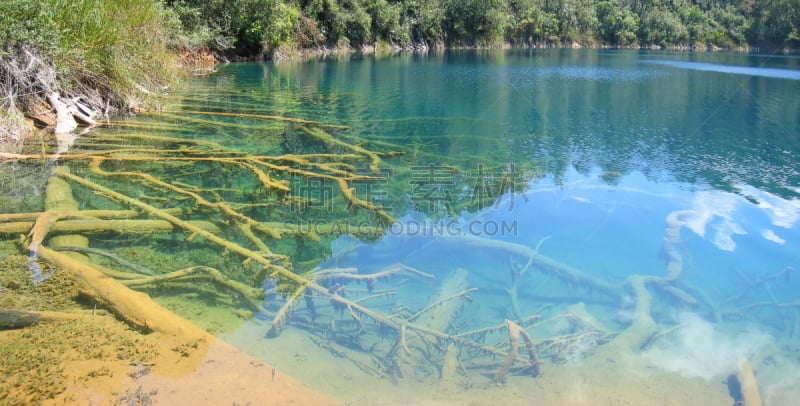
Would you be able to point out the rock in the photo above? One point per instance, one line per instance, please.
(40, 112)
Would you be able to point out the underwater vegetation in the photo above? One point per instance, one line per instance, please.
(218, 212)
(225, 224)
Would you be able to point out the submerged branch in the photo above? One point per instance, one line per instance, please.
(266, 117)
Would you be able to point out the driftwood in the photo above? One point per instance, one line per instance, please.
(252, 295)
(543, 264)
(81, 112)
(89, 226)
(130, 265)
(65, 122)
(75, 223)
(409, 333)
(265, 117)
(417, 338)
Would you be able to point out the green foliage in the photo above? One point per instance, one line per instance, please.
(356, 22)
(475, 21)
(27, 23)
(122, 40)
(111, 35)
(386, 22)
(617, 25)
(110, 47)
(265, 23)
(259, 24)
(533, 23)
(192, 31)
(426, 19)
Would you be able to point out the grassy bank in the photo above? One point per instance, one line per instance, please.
(109, 55)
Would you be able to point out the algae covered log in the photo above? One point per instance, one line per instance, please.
(134, 307)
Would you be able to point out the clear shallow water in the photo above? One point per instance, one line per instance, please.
(580, 156)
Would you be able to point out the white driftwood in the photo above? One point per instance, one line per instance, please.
(65, 122)
(82, 112)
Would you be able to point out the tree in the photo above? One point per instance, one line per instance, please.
(617, 25)
(475, 22)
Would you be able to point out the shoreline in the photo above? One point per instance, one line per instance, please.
(40, 118)
(282, 55)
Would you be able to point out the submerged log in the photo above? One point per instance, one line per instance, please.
(450, 363)
(102, 226)
(747, 383)
(541, 263)
(59, 198)
(134, 307)
(642, 326)
(413, 352)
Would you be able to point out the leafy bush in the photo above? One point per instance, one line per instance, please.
(111, 48)
(260, 24)
(475, 21)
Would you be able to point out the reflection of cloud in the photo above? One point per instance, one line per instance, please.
(715, 210)
(699, 350)
(782, 212)
(770, 235)
(714, 214)
(723, 237)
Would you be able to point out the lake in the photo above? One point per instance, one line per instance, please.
(477, 227)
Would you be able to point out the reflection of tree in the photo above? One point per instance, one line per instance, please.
(547, 111)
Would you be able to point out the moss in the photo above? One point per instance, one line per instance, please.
(43, 360)
(57, 293)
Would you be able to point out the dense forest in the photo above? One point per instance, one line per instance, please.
(116, 53)
(253, 26)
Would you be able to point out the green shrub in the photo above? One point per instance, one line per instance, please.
(113, 48)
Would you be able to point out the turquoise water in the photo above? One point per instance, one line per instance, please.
(553, 178)
(601, 147)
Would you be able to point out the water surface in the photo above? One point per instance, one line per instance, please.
(552, 178)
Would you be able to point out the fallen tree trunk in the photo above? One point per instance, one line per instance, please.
(137, 309)
(99, 226)
(98, 214)
(412, 351)
(81, 112)
(58, 198)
